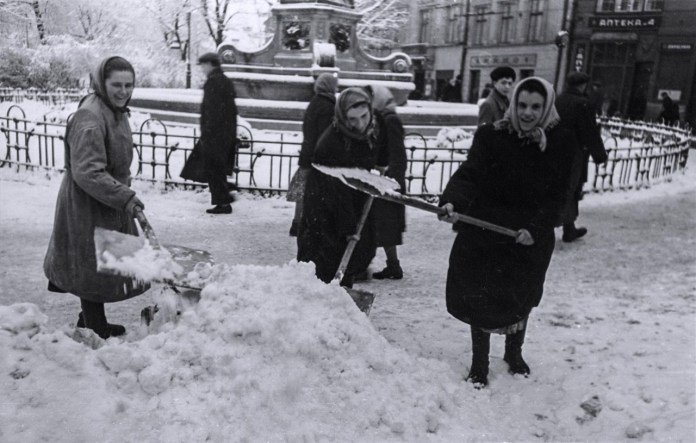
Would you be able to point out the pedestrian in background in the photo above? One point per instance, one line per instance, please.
(578, 115)
(218, 132)
(515, 175)
(332, 209)
(317, 117)
(669, 114)
(389, 217)
(495, 105)
(95, 191)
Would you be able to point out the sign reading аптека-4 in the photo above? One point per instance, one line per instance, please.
(619, 22)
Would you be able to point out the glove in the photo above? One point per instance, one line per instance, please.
(133, 203)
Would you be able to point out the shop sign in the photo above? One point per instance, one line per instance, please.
(677, 47)
(620, 22)
(485, 61)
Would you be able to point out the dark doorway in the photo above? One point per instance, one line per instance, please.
(638, 101)
(474, 84)
(524, 73)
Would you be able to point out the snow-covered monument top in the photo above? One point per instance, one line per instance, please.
(311, 38)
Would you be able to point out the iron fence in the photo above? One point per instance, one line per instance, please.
(639, 154)
(59, 96)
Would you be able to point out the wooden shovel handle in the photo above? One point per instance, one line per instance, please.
(348, 253)
(146, 227)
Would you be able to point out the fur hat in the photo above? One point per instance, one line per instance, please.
(576, 79)
(209, 57)
(503, 72)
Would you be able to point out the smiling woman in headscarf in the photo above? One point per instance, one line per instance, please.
(95, 192)
(515, 175)
(332, 209)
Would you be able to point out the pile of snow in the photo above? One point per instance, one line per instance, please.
(454, 138)
(269, 353)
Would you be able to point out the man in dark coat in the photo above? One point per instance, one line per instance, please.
(669, 114)
(495, 105)
(577, 114)
(218, 132)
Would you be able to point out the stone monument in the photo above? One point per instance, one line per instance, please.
(311, 38)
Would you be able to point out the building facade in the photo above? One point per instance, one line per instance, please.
(638, 49)
(472, 37)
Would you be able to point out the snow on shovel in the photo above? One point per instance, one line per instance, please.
(144, 259)
(387, 189)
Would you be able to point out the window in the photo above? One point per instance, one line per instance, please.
(629, 5)
(480, 21)
(506, 20)
(524, 73)
(454, 16)
(536, 22)
(424, 31)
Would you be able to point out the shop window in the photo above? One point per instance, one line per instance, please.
(506, 22)
(524, 73)
(653, 5)
(629, 5)
(536, 17)
(424, 31)
(480, 22)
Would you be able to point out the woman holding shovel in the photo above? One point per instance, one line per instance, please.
(95, 192)
(515, 175)
(332, 209)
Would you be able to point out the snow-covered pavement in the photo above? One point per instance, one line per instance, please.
(272, 354)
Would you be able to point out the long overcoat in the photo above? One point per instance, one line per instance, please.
(493, 108)
(332, 209)
(219, 120)
(578, 115)
(317, 118)
(492, 281)
(389, 217)
(94, 192)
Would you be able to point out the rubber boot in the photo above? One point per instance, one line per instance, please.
(115, 330)
(571, 233)
(95, 318)
(392, 271)
(480, 347)
(513, 353)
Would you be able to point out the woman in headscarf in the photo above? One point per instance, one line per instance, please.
(515, 175)
(389, 217)
(332, 209)
(95, 192)
(317, 118)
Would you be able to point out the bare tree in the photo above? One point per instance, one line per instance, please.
(94, 23)
(36, 10)
(382, 22)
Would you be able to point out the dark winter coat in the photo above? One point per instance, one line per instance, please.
(390, 218)
(317, 118)
(219, 120)
(493, 108)
(492, 281)
(669, 114)
(94, 192)
(332, 209)
(577, 114)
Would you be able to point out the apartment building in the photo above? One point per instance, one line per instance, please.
(638, 49)
(472, 37)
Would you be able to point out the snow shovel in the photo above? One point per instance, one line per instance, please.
(386, 189)
(116, 254)
(363, 299)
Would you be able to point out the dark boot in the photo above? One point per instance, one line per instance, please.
(513, 353)
(571, 233)
(220, 209)
(392, 271)
(480, 347)
(115, 330)
(95, 318)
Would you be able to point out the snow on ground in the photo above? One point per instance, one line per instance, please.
(270, 353)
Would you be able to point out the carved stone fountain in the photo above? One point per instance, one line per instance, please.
(311, 38)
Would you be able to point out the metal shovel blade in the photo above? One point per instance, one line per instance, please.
(363, 299)
(123, 246)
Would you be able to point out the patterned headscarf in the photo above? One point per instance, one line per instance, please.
(98, 82)
(549, 116)
(350, 98)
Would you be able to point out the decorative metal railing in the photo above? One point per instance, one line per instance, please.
(640, 154)
(59, 96)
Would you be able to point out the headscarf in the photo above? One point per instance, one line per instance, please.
(350, 98)
(382, 98)
(326, 85)
(549, 116)
(98, 84)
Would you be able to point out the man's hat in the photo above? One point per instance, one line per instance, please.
(503, 72)
(575, 79)
(210, 57)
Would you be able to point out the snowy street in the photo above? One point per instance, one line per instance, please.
(615, 333)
